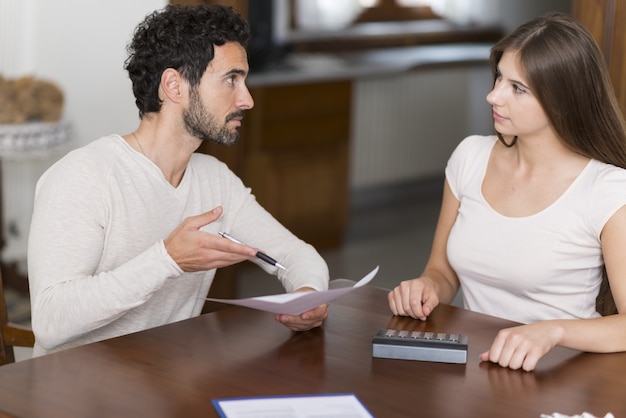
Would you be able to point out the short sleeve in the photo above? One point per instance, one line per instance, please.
(609, 195)
(469, 158)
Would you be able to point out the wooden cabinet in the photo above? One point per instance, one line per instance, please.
(606, 20)
(294, 154)
(296, 145)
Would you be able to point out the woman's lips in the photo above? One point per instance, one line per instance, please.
(497, 117)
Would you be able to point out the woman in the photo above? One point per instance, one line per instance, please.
(532, 216)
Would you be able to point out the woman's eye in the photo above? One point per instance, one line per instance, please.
(518, 89)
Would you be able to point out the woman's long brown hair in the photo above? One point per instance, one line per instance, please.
(569, 77)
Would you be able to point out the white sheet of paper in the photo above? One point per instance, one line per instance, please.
(334, 405)
(295, 303)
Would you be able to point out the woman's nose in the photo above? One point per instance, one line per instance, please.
(493, 96)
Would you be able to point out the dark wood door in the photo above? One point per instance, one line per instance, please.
(606, 19)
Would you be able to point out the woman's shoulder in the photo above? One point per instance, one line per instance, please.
(485, 141)
(476, 143)
(469, 160)
(607, 191)
(473, 146)
(603, 171)
(606, 180)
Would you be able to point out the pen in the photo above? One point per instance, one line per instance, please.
(259, 254)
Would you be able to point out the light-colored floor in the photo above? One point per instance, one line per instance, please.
(22, 353)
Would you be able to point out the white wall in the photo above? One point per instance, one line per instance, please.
(81, 46)
(406, 126)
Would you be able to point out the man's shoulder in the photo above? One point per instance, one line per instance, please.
(206, 168)
(207, 162)
(96, 155)
(102, 146)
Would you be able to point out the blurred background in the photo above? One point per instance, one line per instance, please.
(358, 106)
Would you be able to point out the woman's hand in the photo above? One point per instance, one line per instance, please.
(523, 346)
(415, 298)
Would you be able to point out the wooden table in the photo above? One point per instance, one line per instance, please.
(176, 370)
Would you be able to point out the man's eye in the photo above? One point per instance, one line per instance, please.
(230, 80)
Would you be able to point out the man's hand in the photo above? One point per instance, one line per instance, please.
(195, 250)
(306, 320)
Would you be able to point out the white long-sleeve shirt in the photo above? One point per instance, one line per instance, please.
(97, 264)
(544, 266)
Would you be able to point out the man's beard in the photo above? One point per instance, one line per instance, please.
(201, 124)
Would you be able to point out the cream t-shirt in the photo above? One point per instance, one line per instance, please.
(544, 266)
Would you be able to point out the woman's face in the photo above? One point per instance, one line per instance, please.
(516, 111)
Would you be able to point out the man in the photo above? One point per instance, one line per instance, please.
(124, 234)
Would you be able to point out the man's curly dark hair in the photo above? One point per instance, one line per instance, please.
(182, 38)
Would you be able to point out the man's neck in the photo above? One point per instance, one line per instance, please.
(167, 145)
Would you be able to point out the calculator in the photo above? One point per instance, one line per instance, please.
(418, 345)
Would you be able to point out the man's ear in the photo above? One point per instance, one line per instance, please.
(173, 86)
